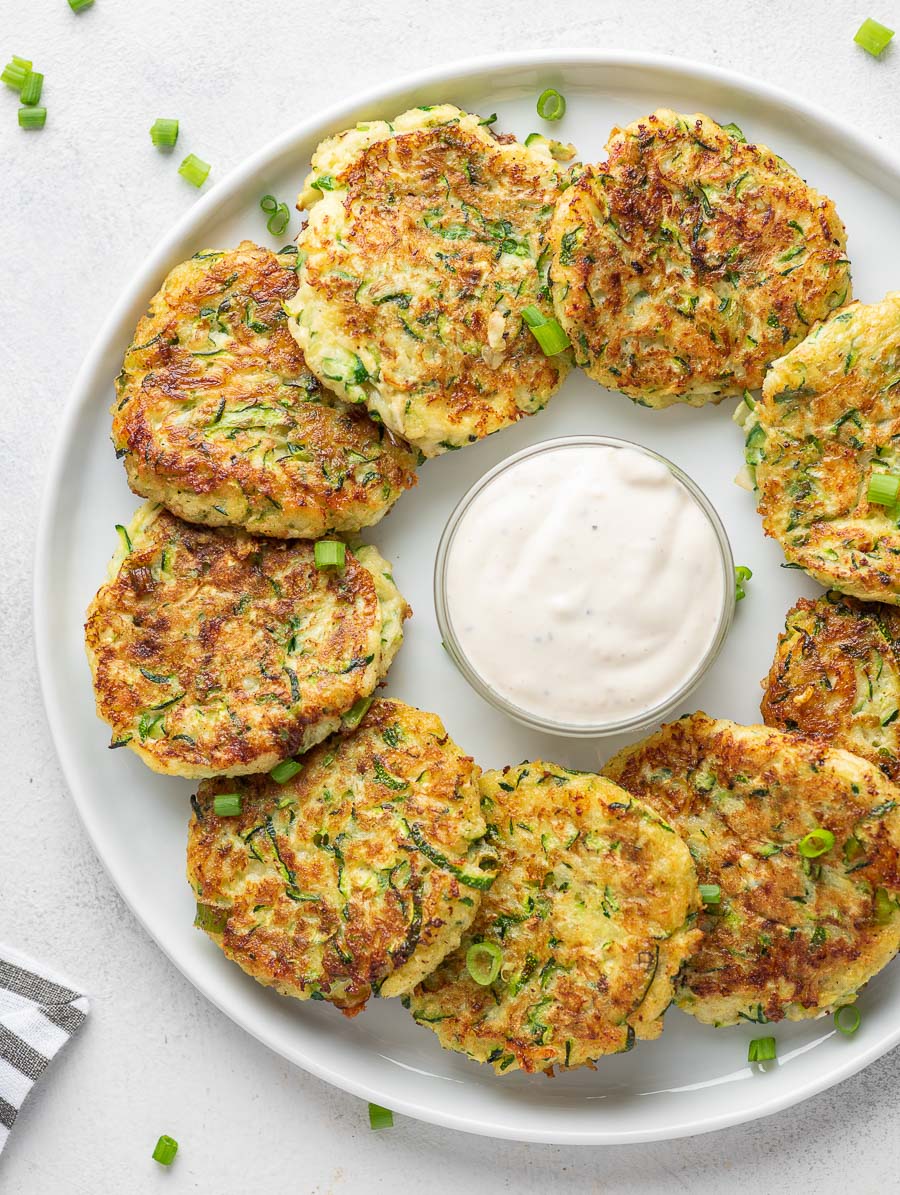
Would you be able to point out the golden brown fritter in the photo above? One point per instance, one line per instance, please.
(426, 239)
(593, 912)
(793, 936)
(219, 419)
(836, 675)
(357, 875)
(215, 652)
(828, 421)
(690, 259)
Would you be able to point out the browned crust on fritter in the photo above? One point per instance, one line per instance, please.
(348, 899)
(704, 227)
(594, 911)
(217, 619)
(792, 936)
(247, 436)
(468, 185)
(836, 676)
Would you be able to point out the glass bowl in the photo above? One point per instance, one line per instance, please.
(642, 718)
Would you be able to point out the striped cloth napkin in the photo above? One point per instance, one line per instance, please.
(39, 1012)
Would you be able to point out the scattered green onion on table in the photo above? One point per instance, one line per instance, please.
(380, 1118)
(873, 37)
(741, 574)
(195, 170)
(164, 132)
(166, 1147)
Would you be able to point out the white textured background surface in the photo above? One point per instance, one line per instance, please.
(82, 203)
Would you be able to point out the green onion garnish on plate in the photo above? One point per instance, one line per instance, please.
(285, 771)
(330, 553)
(551, 105)
(278, 213)
(547, 332)
(815, 843)
(380, 1118)
(32, 88)
(483, 962)
(166, 1147)
(164, 132)
(32, 118)
(847, 1019)
(761, 1049)
(741, 574)
(883, 489)
(78, 5)
(195, 170)
(873, 37)
(227, 804)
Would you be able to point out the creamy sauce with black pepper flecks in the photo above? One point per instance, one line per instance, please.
(585, 584)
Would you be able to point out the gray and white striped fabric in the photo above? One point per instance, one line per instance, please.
(39, 1012)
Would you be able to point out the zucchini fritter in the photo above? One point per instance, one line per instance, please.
(219, 419)
(836, 675)
(357, 875)
(829, 419)
(690, 259)
(593, 909)
(793, 936)
(426, 239)
(215, 652)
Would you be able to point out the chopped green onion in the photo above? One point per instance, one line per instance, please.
(711, 894)
(166, 1147)
(873, 37)
(195, 170)
(227, 804)
(212, 918)
(884, 906)
(883, 488)
(32, 118)
(285, 771)
(380, 1118)
(551, 105)
(164, 132)
(357, 712)
(124, 537)
(278, 213)
(815, 843)
(16, 72)
(761, 1049)
(741, 574)
(547, 332)
(483, 962)
(78, 5)
(32, 88)
(330, 553)
(847, 1019)
(734, 130)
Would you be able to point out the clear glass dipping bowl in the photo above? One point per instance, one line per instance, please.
(644, 717)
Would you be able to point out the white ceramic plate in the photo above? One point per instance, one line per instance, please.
(694, 1078)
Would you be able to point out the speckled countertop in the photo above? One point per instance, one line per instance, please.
(82, 204)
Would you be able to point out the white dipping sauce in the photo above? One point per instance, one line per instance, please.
(585, 584)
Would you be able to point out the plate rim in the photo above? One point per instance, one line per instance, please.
(81, 396)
